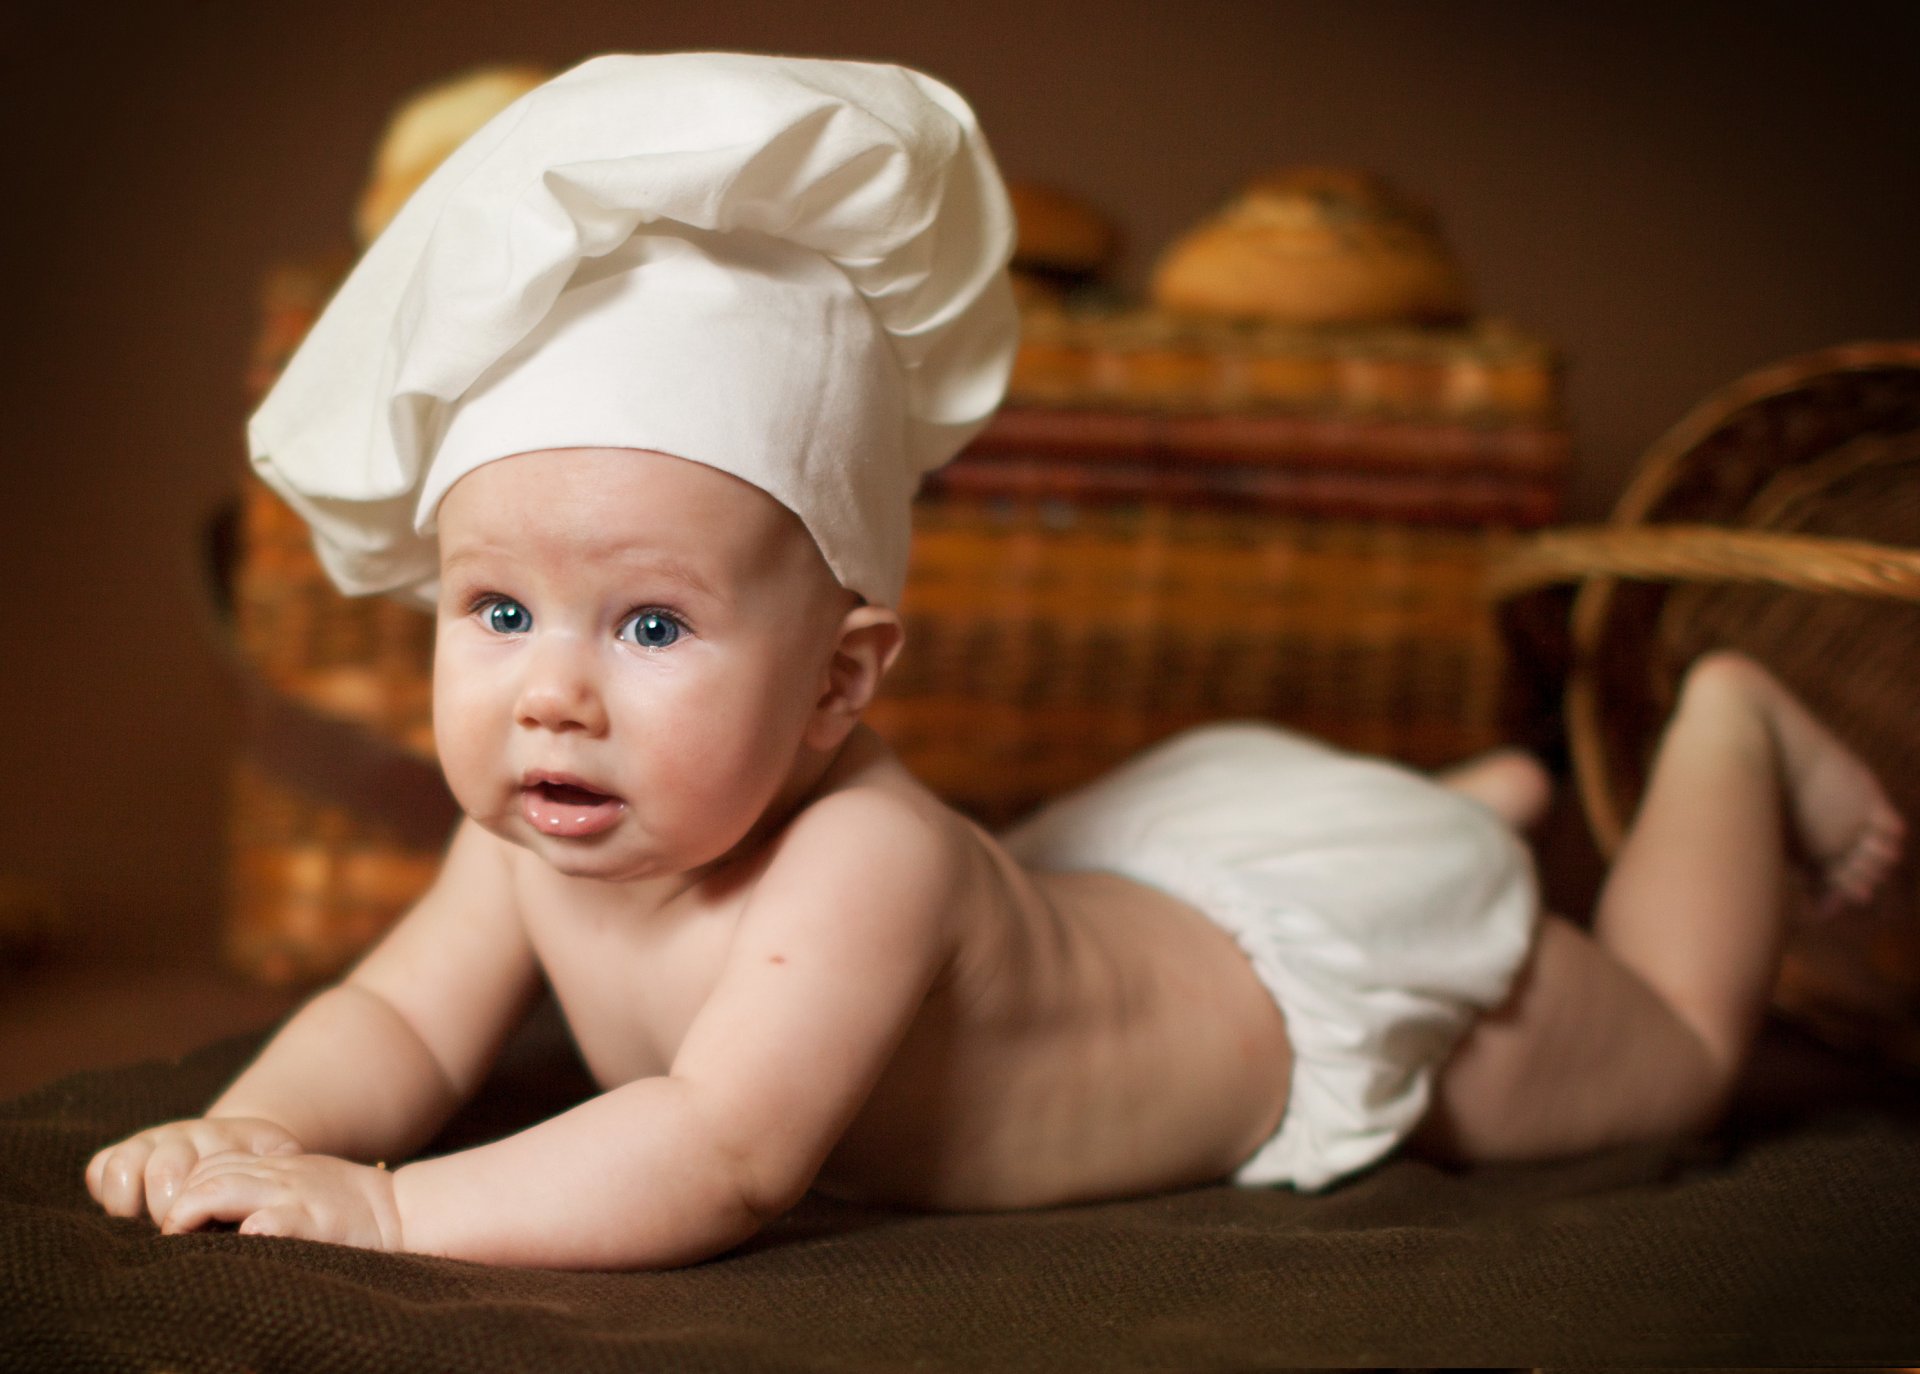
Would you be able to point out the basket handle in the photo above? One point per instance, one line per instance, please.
(1707, 553)
(1682, 553)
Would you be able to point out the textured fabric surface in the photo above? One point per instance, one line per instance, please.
(1791, 1238)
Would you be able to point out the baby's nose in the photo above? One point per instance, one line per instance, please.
(561, 691)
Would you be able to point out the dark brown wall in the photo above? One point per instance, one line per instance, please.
(1674, 200)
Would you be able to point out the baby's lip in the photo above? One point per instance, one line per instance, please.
(542, 777)
(564, 806)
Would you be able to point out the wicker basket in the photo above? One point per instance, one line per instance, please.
(1113, 559)
(1782, 518)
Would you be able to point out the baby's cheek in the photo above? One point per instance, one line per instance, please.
(701, 768)
(739, 771)
(465, 781)
(466, 745)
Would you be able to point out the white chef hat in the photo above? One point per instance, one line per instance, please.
(792, 270)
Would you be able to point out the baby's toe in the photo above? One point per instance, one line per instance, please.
(1864, 869)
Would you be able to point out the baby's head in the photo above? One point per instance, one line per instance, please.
(639, 658)
(635, 390)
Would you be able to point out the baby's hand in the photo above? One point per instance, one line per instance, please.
(315, 1197)
(144, 1172)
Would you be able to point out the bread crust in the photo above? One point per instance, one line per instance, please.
(425, 128)
(1059, 232)
(1316, 246)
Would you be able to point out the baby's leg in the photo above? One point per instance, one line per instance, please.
(1640, 1029)
(1509, 782)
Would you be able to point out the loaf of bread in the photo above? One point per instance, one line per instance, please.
(426, 127)
(1059, 232)
(1315, 246)
(1061, 243)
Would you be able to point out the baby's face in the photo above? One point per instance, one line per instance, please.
(630, 647)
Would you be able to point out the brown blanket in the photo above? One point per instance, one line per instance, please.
(1793, 1237)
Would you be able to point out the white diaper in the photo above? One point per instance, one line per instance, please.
(1380, 909)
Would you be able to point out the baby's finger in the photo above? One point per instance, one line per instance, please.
(167, 1169)
(274, 1221)
(97, 1171)
(123, 1177)
(226, 1162)
(271, 1140)
(231, 1194)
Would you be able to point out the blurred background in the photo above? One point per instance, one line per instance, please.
(1671, 195)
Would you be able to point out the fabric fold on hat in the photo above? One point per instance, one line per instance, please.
(789, 269)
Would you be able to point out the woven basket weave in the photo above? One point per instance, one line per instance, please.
(1110, 561)
(1782, 518)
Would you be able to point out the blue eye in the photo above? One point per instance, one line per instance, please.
(508, 617)
(651, 630)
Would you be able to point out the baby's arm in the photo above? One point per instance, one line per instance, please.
(843, 936)
(370, 1068)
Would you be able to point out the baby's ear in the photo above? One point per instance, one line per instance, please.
(871, 638)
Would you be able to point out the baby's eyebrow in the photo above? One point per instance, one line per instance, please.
(454, 560)
(677, 570)
(660, 565)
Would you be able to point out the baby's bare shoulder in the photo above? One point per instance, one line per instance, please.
(878, 819)
(873, 828)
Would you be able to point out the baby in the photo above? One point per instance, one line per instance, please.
(1242, 956)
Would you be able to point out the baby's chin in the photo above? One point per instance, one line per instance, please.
(605, 858)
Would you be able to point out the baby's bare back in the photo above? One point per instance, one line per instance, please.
(1088, 1037)
(1097, 1039)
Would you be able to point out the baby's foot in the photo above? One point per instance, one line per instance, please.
(1846, 823)
(1510, 782)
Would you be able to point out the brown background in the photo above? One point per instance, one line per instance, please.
(1673, 198)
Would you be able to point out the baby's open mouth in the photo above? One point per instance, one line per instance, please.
(569, 795)
(568, 810)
